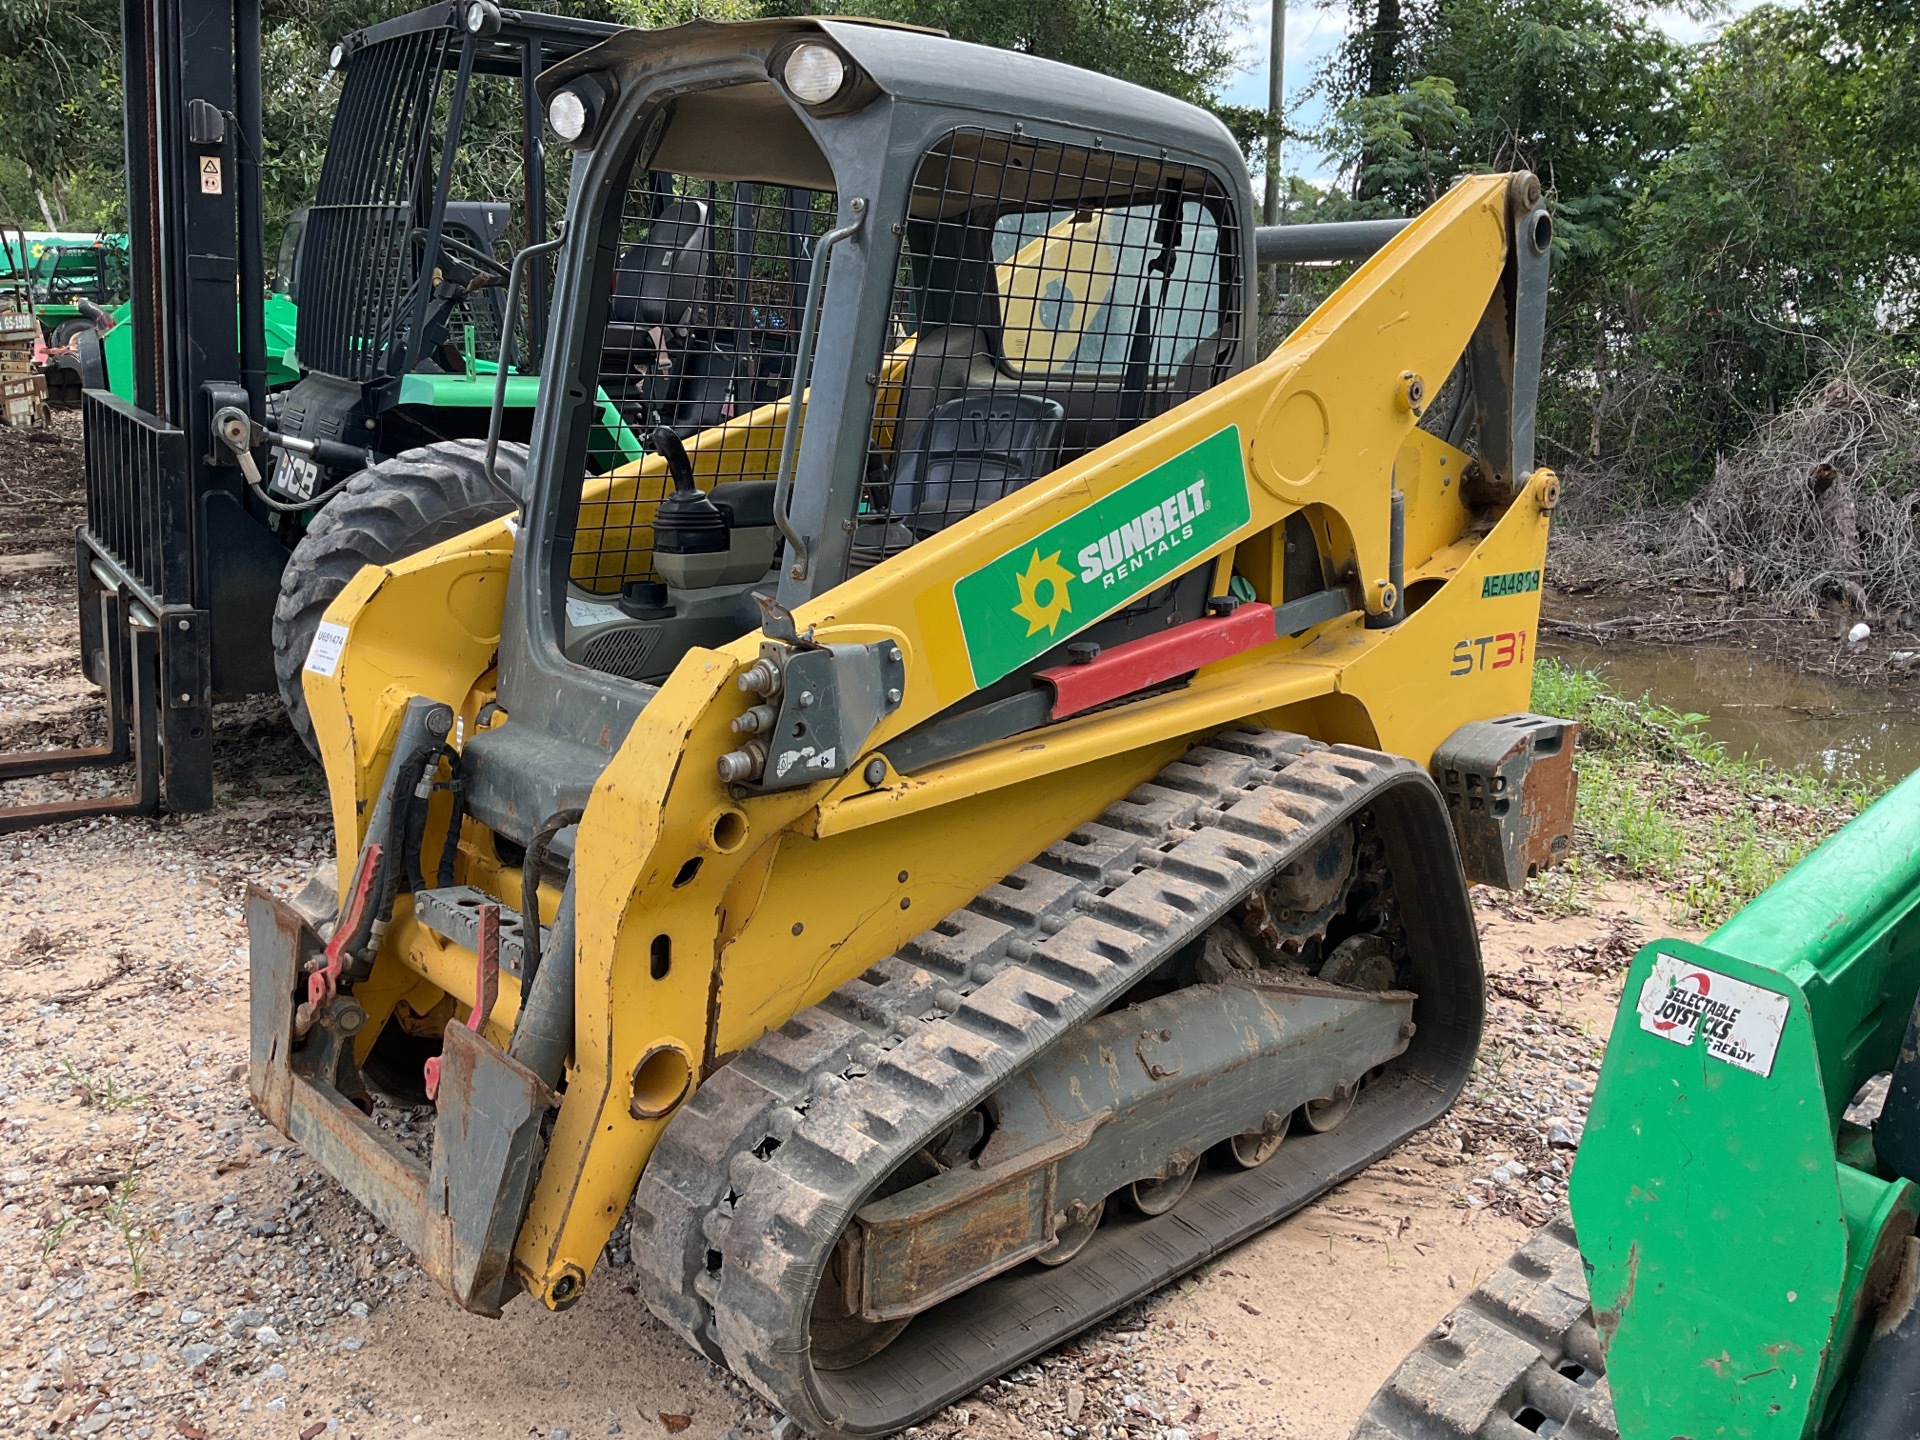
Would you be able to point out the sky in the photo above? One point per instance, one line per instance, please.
(1313, 32)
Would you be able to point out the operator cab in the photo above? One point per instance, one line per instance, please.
(401, 283)
(68, 273)
(973, 276)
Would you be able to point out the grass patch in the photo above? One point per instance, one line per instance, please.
(100, 1094)
(1662, 800)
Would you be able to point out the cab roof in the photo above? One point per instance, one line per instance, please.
(926, 68)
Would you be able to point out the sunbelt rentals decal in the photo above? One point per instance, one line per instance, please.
(1032, 597)
(1737, 1022)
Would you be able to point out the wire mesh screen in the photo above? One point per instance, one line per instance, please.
(1051, 298)
(1290, 293)
(707, 290)
(357, 260)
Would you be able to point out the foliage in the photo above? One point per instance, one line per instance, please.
(1785, 224)
(1411, 141)
(1727, 215)
(1585, 93)
(1662, 800)
(60, 92)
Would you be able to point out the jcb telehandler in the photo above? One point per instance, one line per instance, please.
(951, 853)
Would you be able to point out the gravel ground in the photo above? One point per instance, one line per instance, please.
(171, 1266)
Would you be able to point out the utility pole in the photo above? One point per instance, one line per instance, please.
(1276, 91)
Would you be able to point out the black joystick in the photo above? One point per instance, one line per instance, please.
(687, 522)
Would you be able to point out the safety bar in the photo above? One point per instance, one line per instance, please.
(796, 398)
(489, 466)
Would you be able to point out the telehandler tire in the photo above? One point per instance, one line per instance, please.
(390, 510)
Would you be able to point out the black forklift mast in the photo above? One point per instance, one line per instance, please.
(180, 559)
(173, 570)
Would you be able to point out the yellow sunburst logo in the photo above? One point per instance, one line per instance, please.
(1048, 577)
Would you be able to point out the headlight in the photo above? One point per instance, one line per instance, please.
(567, 114)
(814, 73)
(483, 17)
(339, 54)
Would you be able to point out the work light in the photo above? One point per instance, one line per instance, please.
(815, 73)
(567, 114)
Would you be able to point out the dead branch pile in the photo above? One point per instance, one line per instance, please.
(1823, 504)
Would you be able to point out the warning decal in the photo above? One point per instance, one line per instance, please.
(1740, 1023)
(210, 175)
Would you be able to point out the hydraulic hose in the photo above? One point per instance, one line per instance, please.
(457, 783)
(530, 867)
(423, 729)
(407, 826)
(543, 1034)
(425, 783)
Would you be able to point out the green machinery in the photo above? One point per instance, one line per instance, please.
(96, 351)
(75, 280)
(1744, 1218)
(394, 313)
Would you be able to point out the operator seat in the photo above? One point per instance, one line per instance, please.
(657, 282)
(965, 438)
(656, 287)
(973, 450)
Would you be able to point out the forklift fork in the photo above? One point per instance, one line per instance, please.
(127, 668)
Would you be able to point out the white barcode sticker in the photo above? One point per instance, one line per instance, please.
(323, 656)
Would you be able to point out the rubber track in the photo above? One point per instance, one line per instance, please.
(740, 1205)
(1514, 1360)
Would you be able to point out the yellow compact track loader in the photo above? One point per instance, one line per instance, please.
(977, 820)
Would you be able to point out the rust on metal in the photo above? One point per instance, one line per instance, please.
(968, 1225)
(1509, 786)
(486, 980)
(460, 1212)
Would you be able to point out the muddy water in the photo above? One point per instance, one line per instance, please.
(1765, 707)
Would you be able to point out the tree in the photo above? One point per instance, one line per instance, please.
(1589, 95)
(60, 92)
(1585, 93)
(1784, 227)
(1409, 143)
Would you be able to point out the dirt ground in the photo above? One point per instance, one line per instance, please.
(171, 1267)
